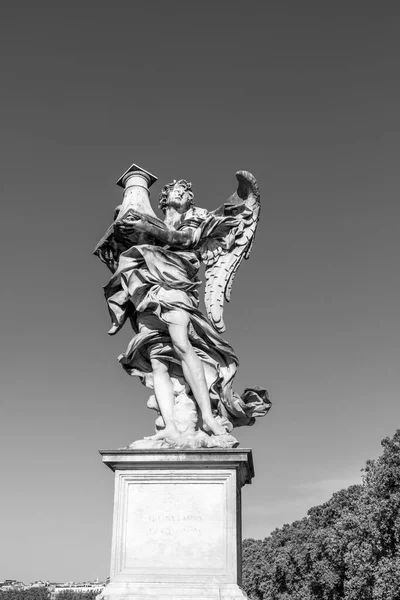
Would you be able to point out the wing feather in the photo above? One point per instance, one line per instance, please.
(222, 267)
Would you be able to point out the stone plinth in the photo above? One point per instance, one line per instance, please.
(177, 523)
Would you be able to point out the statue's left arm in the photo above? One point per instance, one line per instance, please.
(176, 238)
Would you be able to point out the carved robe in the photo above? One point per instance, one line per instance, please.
(151, 281)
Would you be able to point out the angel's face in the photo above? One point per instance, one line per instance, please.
(179, 198)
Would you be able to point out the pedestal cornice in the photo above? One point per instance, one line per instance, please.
(240, 459)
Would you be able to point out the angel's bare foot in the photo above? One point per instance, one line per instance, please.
(170, 432)
(212, 423)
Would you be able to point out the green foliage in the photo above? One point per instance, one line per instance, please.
(71, 595)
(42, 593)
(345, 549)
(34, 593)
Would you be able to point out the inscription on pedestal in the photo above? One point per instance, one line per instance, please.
(174, 525)
(180, 523)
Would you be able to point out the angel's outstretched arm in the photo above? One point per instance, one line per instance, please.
(184, 238)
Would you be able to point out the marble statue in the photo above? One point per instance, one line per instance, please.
(176, 350)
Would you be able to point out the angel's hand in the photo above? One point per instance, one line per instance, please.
(108, 254)
(132, 225)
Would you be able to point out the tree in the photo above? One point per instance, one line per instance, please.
(345, 549)
(74, 595)
(33, 593)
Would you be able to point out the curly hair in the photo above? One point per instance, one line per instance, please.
(163, 197)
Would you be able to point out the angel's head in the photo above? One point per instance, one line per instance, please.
(177, 194)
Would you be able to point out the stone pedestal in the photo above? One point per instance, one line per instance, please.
(177, 523)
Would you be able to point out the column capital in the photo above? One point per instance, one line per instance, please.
(135, 171)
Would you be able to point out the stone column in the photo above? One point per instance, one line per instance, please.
(136, 183)
(177, 523)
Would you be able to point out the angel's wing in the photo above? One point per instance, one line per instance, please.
(222, 257)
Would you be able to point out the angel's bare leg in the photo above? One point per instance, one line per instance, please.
(165, 398)
(192, 368)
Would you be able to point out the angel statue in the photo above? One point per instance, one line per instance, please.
(176, 350)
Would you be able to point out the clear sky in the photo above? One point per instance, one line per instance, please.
(306, 96)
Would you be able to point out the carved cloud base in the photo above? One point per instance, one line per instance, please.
(177, 524)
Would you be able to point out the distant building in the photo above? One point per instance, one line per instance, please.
(9, 584)
(82, 588)
(55, 588)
